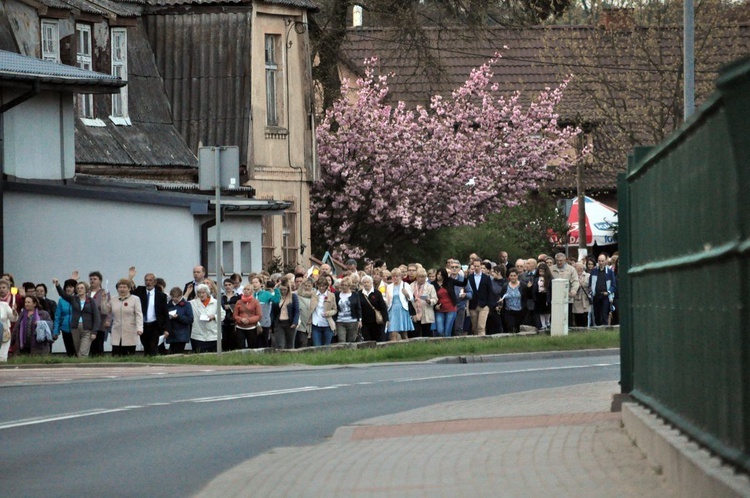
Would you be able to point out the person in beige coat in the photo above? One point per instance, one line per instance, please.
(126, 319)
(425, 298)
(581, 301)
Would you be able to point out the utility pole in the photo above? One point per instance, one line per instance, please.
(581, 191)
(218, 244)
(218, 166)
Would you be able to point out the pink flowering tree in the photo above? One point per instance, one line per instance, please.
(392, 174)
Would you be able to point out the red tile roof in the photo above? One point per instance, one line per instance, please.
(540, 57)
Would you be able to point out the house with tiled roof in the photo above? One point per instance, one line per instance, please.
(596, 59)
(182, 92)
(238, 72)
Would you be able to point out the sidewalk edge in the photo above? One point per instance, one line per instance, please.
(540, 355)
(688, 468)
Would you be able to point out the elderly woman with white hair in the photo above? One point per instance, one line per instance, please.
(398, 297)
(207, 314)
(374, 311)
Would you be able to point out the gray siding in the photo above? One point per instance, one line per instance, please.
(204, 60)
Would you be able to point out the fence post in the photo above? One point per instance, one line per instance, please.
(560, 290)
(623, 265)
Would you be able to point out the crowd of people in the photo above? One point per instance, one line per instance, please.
(308, 307)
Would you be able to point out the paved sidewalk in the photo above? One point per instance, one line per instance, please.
(549, 442)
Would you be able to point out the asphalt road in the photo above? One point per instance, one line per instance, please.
(169, 436)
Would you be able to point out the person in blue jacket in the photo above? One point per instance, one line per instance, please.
(63, 315)
(266, 297)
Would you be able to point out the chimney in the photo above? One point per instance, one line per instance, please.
(617, 19)
(357, 16)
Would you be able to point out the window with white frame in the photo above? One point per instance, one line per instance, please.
(119, 46)
(266, 241)
(50, 40)
(84, 60)
(272, 79)
(289, 236)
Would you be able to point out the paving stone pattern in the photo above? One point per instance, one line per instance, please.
(561, 442)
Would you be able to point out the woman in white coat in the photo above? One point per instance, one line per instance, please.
(207, 314)
(7, 315)
(398, 296)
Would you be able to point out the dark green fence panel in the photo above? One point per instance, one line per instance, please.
(685, 275)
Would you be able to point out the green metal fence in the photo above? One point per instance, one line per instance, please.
(685, 273)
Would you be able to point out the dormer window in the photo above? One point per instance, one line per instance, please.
(50, 29)
(84, 60)
(119, 45)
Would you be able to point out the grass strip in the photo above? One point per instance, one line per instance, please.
(395, 352)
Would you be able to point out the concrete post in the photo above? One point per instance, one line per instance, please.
(560, 290)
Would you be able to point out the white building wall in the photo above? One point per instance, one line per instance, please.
(241, 242)
(38, 136)
(47, 236)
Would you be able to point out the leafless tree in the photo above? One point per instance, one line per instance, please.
(407, 21)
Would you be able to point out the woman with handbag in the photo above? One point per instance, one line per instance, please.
(400, 298)
(24, 336)
(374, 311)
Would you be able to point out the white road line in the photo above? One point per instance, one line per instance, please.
(67, 416)
(505, 372)
(212, 399)
(230, 397)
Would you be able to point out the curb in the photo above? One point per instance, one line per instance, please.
(498, 358)
(688, 468)
(495, 358)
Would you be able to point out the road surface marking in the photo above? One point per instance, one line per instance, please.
(67, 416)
(525, 370)
(230, 397)
(212, 399)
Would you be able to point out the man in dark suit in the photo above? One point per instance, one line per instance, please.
(199, 275)
(155, 314)
(481, 298)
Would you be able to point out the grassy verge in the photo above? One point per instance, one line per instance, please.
(407, 351)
